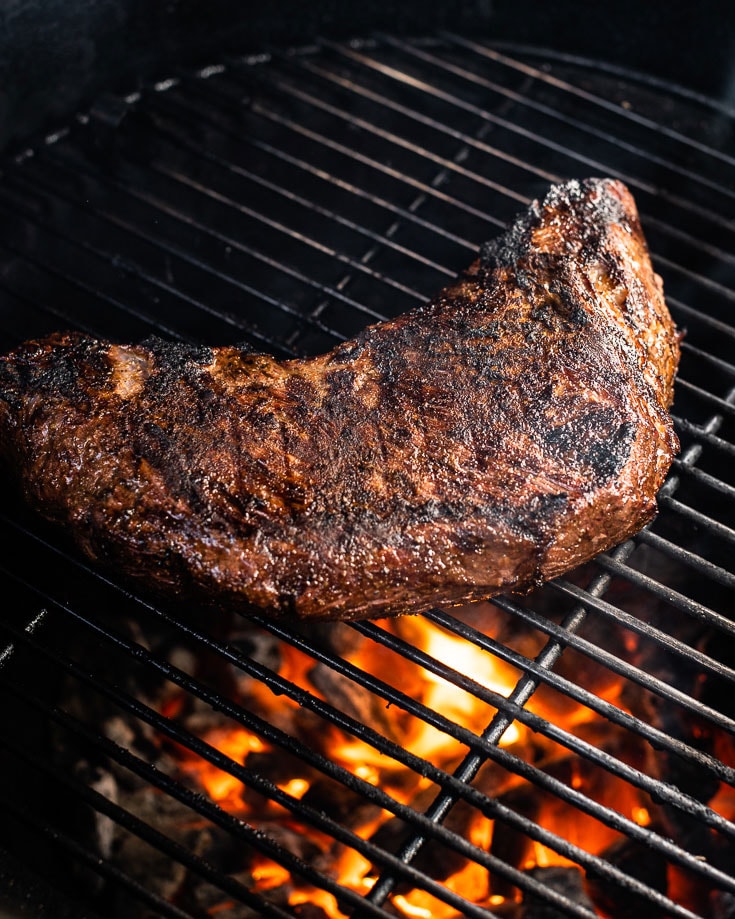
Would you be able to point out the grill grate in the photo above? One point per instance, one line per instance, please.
(289, 200)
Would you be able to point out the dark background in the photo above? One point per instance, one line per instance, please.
(57, 55)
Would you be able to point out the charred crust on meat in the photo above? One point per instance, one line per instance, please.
(507, 430)
(586, 203)
(512, 247)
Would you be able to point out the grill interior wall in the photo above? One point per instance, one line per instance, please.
(288, 201)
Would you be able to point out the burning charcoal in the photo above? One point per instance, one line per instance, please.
(507, 629)
(292, 839)
(222, 906)
(434, 859)
(354, 700)
(505, 909)
(642, 864)
(340, 803)
(509, 844)
(201, 899)
(565, 881)
(688, 777)
(279, 767)
(139, 738)
(221, 848)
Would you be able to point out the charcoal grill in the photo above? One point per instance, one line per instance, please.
(287, 200)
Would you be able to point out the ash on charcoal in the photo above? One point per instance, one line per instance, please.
(94, 828)
(140, 739)
(640, 863)
(566, 881)
(154, 869)
(104, 783)
(261, 647)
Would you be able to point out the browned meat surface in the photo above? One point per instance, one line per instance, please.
(496, 437)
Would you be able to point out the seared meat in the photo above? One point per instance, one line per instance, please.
(503, 433)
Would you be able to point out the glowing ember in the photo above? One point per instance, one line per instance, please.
(421, 912)
(297, 788)
(641, 816)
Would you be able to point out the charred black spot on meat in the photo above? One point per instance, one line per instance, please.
(175, 356)
(594, 440)
(507, 430)
(607, 456)
(567, 305)
(340, 384)
(153, 443)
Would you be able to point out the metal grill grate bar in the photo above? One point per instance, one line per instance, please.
(227, 319)
(486, 746)
(712, 440)
(661, 638)
(615, 664)
(539, 725)
(680, 554)
(688, 513)
(283, 687)
(378, 166)
(674, 597)
(393, 138)
(698, 315)
(200, 151)
(344, 722)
